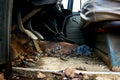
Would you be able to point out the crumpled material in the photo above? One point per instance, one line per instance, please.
(99, 10)
(83, 50)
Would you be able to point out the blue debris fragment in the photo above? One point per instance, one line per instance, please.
(83, 50)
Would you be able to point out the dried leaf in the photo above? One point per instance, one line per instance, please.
(41, 75)
(69, 72)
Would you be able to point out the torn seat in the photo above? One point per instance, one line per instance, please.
(100, 10)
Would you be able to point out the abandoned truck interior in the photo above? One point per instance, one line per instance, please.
(60, 39)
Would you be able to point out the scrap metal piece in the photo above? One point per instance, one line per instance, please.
(108, 49)
(114, 47)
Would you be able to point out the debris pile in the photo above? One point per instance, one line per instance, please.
(24, 53)
(26, 60)
(66, 74)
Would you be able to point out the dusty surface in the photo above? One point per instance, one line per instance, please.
(28, 75)
(62, 54)
(26, 56)
(80, 63)
(86, 77)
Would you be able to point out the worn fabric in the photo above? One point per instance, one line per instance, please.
(99, 10)
(83, 50)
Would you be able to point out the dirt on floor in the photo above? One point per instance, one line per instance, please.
(56, 55)
(84, 77)
(80, 63)
(66, 74)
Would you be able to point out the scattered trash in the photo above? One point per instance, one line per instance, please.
(83, 50)
(66, 74)
(26, 60)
